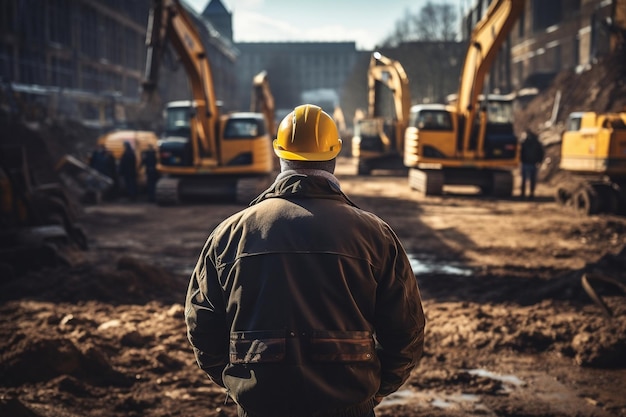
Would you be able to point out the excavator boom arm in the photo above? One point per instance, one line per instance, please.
(169, 21)
(391, 74)
(484, 44)
(262, 100)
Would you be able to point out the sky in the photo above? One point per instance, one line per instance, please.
(366, 22)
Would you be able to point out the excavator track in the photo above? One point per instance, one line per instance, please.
(589, 197)
(502, 184)
(172, 191)
(167, 191)
(426, 181)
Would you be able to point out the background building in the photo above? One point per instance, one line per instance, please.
(295, 68)
(552, 36)
(85, 59)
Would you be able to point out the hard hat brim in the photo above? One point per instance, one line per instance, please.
(306, 156)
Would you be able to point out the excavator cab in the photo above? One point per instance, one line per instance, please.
(175, 148)
(593, 152)
(500, 141)
(435, 121)
(369, 136)
(246, 145)
(595, 143)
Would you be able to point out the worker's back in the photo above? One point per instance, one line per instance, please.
(306, 294)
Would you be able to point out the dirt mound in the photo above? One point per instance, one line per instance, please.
(601, 87)
(46, 358)
(131, 281)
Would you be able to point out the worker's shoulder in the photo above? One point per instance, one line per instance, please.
(229, 222)
(371, 220)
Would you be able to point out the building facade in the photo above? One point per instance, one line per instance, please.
(59, 52)
(552, 36)
(77, 57)
(294, 69)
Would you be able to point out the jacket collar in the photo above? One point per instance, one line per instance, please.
(309, 172)
(304, 184)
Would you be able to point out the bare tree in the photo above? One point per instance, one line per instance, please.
(434, 22)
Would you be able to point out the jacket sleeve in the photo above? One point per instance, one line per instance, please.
(400, 320)
(205, 318)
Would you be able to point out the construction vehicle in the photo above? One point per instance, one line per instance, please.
(468, 143)
(203, 154)
(593, 152)
(378, 142)
(262, 100)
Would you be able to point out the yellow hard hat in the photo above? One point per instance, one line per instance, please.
(307, 134)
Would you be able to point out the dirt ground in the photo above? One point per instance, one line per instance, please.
(510, 329)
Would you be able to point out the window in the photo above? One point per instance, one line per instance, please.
(7, 22)
(521, 25)
(431, 120)
(112, 41)
(6, 62)
(60, 24)
(131, 87)
(573, 123)
(500, 111)
(32, 68)
(61, 73)
(243, 128)
(368, 128)
(178, 119)
(131, 45)
(91, 79)
(546, 14)
(88, 32)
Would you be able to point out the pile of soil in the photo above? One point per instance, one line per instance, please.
(513, 333)
(600, 87)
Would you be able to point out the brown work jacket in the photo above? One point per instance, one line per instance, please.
(303, 304)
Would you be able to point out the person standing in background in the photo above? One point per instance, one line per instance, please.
(149, 162)
(532, 153)
(128, 171)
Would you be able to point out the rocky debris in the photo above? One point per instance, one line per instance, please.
(599, 87)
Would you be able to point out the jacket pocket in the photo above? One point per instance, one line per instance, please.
(342, 346)
(257, 346)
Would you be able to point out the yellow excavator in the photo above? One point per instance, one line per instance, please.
(203, 154)
(593, 152)
(378, 142)
(471, 142)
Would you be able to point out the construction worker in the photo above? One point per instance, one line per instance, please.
(531, 156)
(97, 159)
(103, 161)
(303, 304)
(149, 162)
(128, 170)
